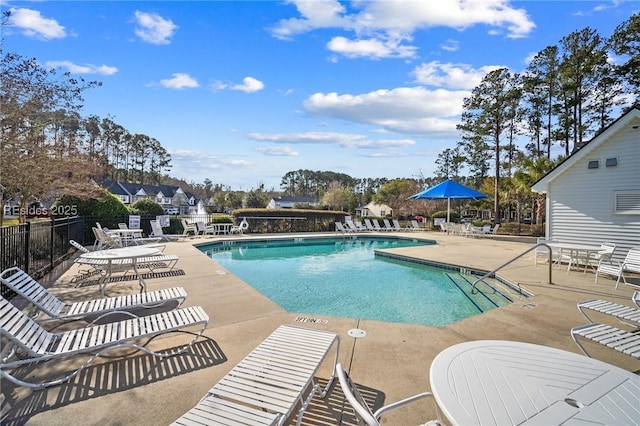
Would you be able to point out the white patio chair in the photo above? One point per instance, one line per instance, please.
(340, 228)
(362, 409)
(268, 384)
(156, 231)
(369, 225)
(91, 310)
(29, 343)
(631, 263)
(591, 259)
(625, 314)
(188, 228)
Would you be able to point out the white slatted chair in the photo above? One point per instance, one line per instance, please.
(30, 343)
(362, 409)
(631, 263)
(623, 313)
(340, 228)
(626, 342)
(387, 225)
(396, 225)
(414, 227)
(97, 309)
(156, 231)
(369, 225)
(267, 385)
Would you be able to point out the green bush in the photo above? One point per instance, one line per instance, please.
(106, 204)
(146, 206)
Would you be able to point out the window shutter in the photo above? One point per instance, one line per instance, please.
(627, 202)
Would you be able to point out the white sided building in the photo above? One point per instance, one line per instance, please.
(594, 195)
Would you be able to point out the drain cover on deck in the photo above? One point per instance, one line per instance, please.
(357, 333)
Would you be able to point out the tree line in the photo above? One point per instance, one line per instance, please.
(567, 94)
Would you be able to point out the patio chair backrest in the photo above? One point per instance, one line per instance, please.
(29, 289)
(156, 229)
(122, 225)
(355, 398)
(22, 330)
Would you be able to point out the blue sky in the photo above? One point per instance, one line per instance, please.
(242, 92)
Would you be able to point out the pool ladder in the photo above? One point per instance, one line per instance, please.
(492, 273)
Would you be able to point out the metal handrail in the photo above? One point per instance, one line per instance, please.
(473, 286)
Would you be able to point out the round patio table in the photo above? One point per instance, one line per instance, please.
(495, 382)
(124, 255)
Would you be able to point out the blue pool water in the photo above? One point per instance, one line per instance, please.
(343, 278)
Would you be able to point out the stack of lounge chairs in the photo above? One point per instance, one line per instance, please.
(27, 342)
(625, 340)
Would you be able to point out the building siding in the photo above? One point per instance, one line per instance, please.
(581, 201)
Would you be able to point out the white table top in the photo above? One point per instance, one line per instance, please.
(121, 253)
(573, 246)
(125, 231)
(493, 382)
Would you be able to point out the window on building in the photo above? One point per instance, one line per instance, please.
(593, 164)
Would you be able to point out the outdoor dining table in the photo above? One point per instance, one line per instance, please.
(576, 251)
(125, 255)
(495, 382)
(222, 228)
(126, 235)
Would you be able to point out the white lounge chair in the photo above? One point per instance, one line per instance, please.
(623, 313)
(341, 228)
(35, 344)
(188, 228)
(414, 227)
(33, 292)
(351, 226)
(387, 225)
(376, 225)
(267, 385)
(156, 231)
(396, 225)
(369, 225)
(362, 409)
(204, 229)
(626, 342)
(631, 263)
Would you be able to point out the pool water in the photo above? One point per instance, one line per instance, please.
(343, 278)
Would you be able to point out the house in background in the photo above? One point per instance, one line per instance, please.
(373, 209)
(290, 202)
(172, 198)
(594, 195)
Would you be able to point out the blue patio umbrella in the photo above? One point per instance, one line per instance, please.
(449, 190)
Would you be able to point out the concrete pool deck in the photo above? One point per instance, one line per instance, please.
(390, 363)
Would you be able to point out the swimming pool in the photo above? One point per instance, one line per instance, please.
(344, 278)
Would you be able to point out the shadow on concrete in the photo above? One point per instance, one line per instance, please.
(334, 409)
(132, 277)
(20, 404)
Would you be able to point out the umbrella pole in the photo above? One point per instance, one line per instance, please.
(448, 210)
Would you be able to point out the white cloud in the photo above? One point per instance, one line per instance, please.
(33, 24)
(249, 85)
(371, 48)
(380, 26)
(408, 110)
(82, 69)
(450, 45)
(153, 28)
(344, 140)
(180, 81)
(279, 151)
(456, 76)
